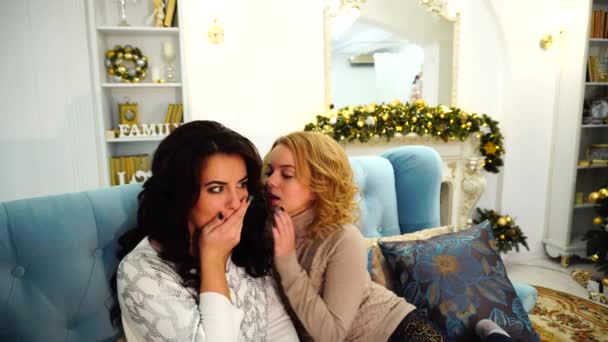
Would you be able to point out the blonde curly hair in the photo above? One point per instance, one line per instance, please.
(323, 166)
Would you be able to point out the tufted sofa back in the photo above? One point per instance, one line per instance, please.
(399, 190)
(57, 255)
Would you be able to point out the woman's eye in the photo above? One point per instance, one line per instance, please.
(243, 184)
(216, 189)
(286, 176)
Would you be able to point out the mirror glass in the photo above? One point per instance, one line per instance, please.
(387, 50)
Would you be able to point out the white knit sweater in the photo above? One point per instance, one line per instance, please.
(156, 306)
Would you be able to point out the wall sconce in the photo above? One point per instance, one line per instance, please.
(215, 33)
(559, 25)
(546, 42)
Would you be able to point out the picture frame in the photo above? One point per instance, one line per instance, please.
(597, 154)
(128, 114)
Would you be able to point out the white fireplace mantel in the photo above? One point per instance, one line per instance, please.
(463, 182)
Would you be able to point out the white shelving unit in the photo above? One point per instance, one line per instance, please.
(567, 222)
(152, 98)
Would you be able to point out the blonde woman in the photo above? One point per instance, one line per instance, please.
(320, 254)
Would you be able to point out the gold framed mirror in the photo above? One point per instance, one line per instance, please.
(381, 50)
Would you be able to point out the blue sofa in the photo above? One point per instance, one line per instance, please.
(57, 253)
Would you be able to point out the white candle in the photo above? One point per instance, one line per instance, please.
(155, 74)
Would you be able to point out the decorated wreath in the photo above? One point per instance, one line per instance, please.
(126, 64)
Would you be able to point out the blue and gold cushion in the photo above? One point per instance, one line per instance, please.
(459, 279)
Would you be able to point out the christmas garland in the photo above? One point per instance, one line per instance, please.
(508, 235)
(120, 73)
(597, 238)
(397, 118)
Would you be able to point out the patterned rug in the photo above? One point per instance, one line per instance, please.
(559, 316)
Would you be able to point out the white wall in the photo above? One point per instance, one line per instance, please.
(267, 78)
(47, 134)
(504, 73)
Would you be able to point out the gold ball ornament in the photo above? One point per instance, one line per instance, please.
(360, 123)
(502, 221)
(605, 281)
(414, 119)
(509, 219)
(385, 117)
(603, 193)
(399, 128)
(121, 69)
(136, 80)
(502, 236)
(595, 257)
(110, 54)
(598, 220)
(593, 197)
(128, 56)
(419, 103)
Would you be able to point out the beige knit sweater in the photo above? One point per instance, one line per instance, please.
(329, 289)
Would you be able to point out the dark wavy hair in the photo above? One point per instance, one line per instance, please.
(169, 195)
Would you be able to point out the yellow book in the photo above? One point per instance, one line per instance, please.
(146, 162)
(113, 172)
(169, 12)
(178, 114)
(169, 116)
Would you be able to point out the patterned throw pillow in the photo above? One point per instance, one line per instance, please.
(376, 265)
(458, 279)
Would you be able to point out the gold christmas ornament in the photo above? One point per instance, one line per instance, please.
(603, 193)
(399, 129)
(490, 148)
(595, 257)
(419, 103)
(502, 221)
(508, 219)
(598, 221)
(502, 236)
(385, 117)
(360, 123)
(593, 197)
(605, 281)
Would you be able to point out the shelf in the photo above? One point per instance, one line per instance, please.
(598, 40)
(141, 85)
(136, 139)
(592, 167)
(586, 206)
(599, 84)
(130, 30)
(595, 126)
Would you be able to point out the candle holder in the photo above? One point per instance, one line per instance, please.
(168, 52)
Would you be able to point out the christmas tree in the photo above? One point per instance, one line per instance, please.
(508, 235)
(597, 237)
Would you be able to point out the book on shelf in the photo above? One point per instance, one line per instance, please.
(169, 12)
(129, 165)
(169, 116)
(178, 114)
(592, 69)
(599, 24)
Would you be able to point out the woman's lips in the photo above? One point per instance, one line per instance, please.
(274, 199)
